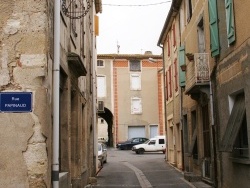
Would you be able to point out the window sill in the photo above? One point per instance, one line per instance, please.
(245, 161)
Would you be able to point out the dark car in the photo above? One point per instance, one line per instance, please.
(130, 143)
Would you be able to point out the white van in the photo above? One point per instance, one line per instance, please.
(158, 143)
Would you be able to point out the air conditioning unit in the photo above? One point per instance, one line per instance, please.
(100, 106)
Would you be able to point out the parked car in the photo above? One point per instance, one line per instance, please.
(158, 143)
(130, 143)
(102, 153)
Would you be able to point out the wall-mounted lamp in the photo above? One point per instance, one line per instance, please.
(152, 60)
(183, 67)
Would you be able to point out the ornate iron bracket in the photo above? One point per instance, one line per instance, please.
(75, 9)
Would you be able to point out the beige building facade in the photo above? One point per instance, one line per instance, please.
(27, 58)
(184, 37)
(212, 49)
(231, 86)
(132, 95)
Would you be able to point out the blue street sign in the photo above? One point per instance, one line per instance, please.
(15, 101)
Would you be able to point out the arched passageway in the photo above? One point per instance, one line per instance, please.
(108, 117)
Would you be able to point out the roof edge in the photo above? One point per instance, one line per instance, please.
(171, 15)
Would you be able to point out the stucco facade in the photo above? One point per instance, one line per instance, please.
(213, 50)
(231, 83)
(26, 65)
(120, 93)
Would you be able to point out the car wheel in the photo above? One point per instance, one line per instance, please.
(137, 152)
(141, 151)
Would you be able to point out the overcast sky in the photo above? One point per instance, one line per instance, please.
(135, 25)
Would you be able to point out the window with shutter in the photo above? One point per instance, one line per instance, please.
(214, 33)
(174, 36)
(168, 44)
(234, 124)
(182, 74)
(101, 86)
(166, 85)
(136, 106)
(135, 82)
(176, 75)
(230, 21)
(170, 81)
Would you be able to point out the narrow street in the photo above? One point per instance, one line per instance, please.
(124, 168)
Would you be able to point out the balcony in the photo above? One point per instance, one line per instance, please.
(197, 74)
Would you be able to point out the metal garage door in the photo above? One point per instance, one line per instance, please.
(153, 130)
(136, 131)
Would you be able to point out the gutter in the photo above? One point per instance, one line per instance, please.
(56, 95)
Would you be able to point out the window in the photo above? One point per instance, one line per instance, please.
(201, 36)
(73, 21)
(135, 82)
(230, 21)
(152, 142)
(189, 9)
(241, 144)
(214, 32)
(135, 65)
(101, 86)
(181, 23)
(193, 147)
(170, 81)
(136, 106)
(166, 85)
(176, 75)
(174, 35)
(182, 74)
(161, 141)
(100, 63)
(136, 140)
(235, 137)
(168, 44)
(102, 121)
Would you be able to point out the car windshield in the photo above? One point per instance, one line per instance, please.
(130, 140)
(147, 142)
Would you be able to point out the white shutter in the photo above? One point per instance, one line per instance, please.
(101, 86)
(135, 82)
(136, 106)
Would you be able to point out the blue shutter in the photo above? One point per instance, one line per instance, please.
(182, 75)
(214, 33)
(230, 21)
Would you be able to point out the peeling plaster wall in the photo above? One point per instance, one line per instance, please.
(25, 138)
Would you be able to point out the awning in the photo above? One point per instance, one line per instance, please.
(234, 124)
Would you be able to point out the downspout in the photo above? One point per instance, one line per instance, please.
(56, 95)
(94, 93)
(164, 97)
(213, 132)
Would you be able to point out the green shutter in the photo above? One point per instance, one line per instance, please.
(214, 33)
(182, 75)
(230, 21)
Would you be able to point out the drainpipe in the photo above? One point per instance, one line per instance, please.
(56, 83)
(164, 97)
(94, 92)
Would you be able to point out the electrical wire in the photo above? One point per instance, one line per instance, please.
(118, 5)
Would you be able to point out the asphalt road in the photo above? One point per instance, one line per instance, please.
(125, 169)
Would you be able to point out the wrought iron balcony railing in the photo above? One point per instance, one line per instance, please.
(197, 72)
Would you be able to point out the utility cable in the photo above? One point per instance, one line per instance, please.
(119, 5)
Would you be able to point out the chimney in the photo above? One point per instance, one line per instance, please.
(148, 53)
